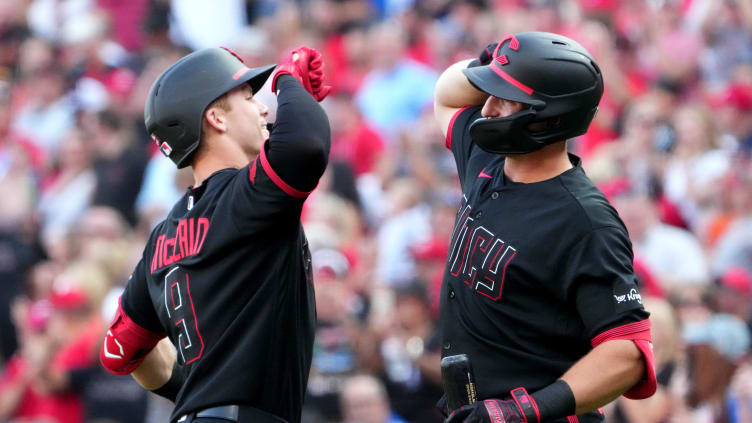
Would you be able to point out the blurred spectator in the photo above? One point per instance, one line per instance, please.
(334, 357)
(734, 199)
(410, 353)
(714, 352)
(119, 163)
(353, 140)
(39, 280)
(647, 281)
(101, 237)
(18, 254)
(637, 154)
(363, 400)
(734, 245)
(67, 193)
(397, 90)
(732, 110)
(127, 20)
(406, 225)
(734, 294)
(674, 255)
(57, 337)
(163, 184)
(696, 166)
(17, 186)
(204, 24)
(23, 392)
(739, 400)
(48, 115)
(727, 25)
(431, 255)
(668, 49)
(105, 397)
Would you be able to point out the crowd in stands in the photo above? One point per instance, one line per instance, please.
(82, 184)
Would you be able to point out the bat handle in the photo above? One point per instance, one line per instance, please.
(458, 380)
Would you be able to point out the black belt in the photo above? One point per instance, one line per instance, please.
(232, 413)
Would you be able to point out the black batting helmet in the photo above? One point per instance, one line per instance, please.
(180, 95)
(554, 75)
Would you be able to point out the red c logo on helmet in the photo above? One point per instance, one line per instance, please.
(514, 44)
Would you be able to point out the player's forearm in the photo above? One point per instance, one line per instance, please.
(299, 144)
(453, 90)
(608, 371)
(156, 368)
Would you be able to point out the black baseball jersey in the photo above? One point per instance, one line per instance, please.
(534, 271)
(228, 274)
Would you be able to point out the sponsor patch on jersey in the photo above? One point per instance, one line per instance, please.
(627, 299)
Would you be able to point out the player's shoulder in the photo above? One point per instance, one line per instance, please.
(464, 117)
(588, 201)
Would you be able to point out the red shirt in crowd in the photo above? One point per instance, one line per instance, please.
(62, 407)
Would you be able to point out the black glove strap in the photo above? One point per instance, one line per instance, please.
(527, 404)
(555, 401)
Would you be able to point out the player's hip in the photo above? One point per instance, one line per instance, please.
(228, 414)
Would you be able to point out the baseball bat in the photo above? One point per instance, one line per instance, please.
(458, 380)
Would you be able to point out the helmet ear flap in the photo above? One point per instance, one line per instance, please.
(174, 130)
(506, 135)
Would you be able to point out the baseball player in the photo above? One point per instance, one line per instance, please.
(539, 289)
(227, 275)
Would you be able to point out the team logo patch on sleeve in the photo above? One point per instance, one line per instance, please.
(627, 300)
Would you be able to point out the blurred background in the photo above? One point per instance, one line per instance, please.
(81, 185)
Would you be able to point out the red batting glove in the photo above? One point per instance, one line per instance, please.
(317, 77)
(488, 411)
(307, 66)
(520, 409)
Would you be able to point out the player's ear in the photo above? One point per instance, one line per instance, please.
(215, 117)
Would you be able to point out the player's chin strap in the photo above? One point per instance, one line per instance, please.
(506, 135)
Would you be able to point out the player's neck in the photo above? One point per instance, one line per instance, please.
(546, 163)
(212, 158)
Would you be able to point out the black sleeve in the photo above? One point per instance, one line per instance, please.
(298, 147)
(458, 138)
(136, 301)
(602, 281)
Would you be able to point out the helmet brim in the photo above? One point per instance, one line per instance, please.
(256, 77)
(507, 87)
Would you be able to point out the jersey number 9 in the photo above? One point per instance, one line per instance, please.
(182, 314)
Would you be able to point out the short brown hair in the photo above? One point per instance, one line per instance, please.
(220, 102)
